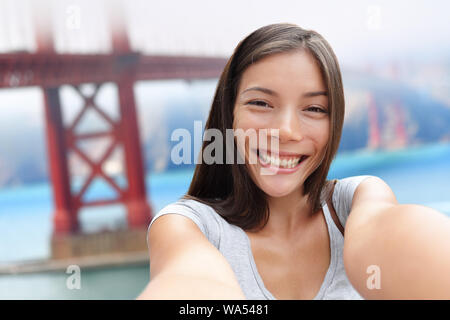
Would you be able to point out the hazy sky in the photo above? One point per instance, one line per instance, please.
(358, 30)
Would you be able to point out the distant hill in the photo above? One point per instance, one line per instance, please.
(422, 118)
(425, 120)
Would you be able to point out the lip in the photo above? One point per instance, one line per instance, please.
(279, 169)
(282, 153)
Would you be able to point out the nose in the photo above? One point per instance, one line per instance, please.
(289, 126)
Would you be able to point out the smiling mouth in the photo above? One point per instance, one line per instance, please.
(283, 162)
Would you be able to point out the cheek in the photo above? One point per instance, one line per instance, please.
(247, 122)
(319, 131)
(247, 119)
(325, 135)
(321, 140)
(246, 128)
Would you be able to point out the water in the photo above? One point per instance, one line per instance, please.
(107, 283)
(418, 175)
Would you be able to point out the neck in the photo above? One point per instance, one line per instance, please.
(288, 215)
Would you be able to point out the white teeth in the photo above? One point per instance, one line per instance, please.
(283, 163)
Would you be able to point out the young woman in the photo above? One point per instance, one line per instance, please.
(274, 228)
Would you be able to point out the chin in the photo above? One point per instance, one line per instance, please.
(278, 191)
(277, 194)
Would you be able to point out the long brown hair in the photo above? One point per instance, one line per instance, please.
(228, 188)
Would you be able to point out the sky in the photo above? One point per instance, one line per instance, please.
(358, 30)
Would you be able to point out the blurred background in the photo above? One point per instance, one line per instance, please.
(395, 62)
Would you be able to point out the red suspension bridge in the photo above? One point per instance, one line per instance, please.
(50, 70)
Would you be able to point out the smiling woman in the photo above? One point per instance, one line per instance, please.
(274, 228)
(278, 77)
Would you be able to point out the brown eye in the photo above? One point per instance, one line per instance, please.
(317, 109)
(259, 103)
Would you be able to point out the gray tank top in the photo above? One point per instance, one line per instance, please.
(234, 243)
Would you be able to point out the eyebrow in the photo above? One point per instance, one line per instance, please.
(273, 93)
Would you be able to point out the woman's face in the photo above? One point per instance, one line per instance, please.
(284, 91)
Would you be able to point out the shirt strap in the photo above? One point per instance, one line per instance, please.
(332, 211)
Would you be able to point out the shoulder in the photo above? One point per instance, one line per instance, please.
(347, 191)
(365, 192)
(346, 188)
(183, 263)
(373, 190)
(203, 215)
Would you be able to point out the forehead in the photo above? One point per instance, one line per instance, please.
(296, 71)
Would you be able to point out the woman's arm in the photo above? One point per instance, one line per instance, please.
(406, 246)
(185, 265)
